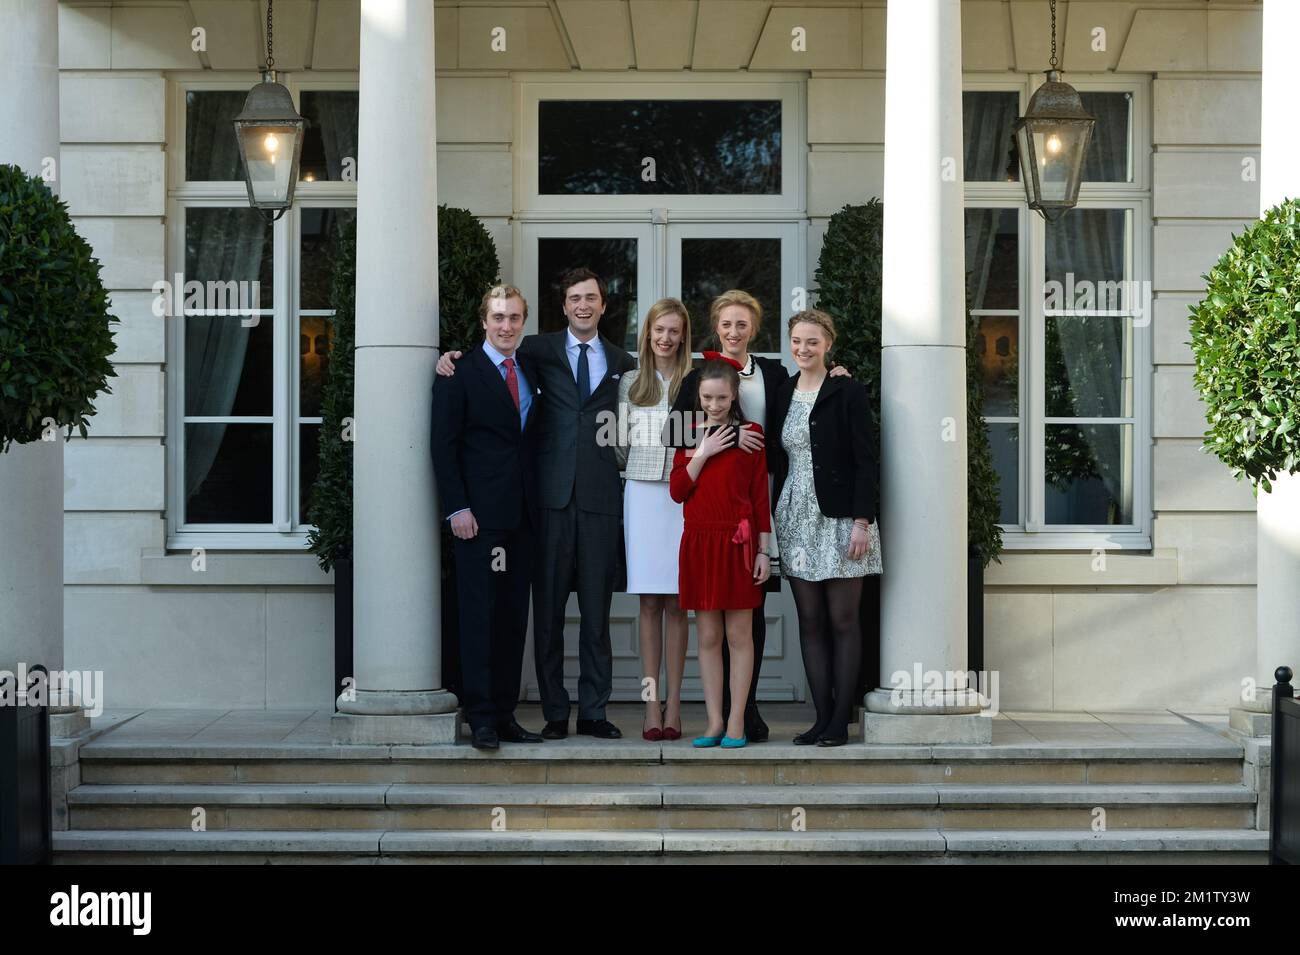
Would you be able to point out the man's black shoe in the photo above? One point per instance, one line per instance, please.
(512, 732)
(485, 737)
(555, 729)
(603, 729)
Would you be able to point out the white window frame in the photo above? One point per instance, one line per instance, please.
(284, 532)
(1035, 533)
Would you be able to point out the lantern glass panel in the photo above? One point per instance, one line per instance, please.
(269, 152)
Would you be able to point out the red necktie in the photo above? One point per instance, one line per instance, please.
(512, 380)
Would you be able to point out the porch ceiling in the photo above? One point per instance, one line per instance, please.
(703, 35)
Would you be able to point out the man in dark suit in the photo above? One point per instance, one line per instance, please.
(484, 459)
(581, 503)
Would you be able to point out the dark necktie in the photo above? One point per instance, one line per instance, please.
(512, 380)
(584, 374)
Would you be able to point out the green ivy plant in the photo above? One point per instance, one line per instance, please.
(467, 267)
(55, 335)
(1247, 351)
(848, 287)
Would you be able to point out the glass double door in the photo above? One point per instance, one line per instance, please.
(641, 262)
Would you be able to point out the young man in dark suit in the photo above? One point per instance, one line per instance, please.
(581, 503)
(484, 459)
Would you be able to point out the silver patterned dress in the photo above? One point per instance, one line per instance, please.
(814, 546)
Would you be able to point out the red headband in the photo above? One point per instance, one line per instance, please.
(711, 355)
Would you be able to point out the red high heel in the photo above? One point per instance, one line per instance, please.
(670, 733)
(654, 734)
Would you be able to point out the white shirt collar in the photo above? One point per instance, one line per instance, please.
(572, 342)
(496, 356)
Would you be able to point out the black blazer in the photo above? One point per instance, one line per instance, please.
(569, 458)
(844, 469)
(773, 374)
(481, 458)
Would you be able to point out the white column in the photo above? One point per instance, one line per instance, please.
(31, 475)
(1278, 514)
(923, 386)
(396, 640)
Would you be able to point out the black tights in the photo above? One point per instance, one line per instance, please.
(830, 635)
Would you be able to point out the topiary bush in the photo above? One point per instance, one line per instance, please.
(467, 267)
(55, 335)
(1247, 350)
(848, 287)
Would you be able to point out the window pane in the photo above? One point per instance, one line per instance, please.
(1088, 474)
(1004, 441)
(1088, 366)
(230, 245)
(315, 341)
(614, 260)
(211, 150)
(329, 146)
(308, 466)
(998, 346)
(321, 231)
(655, 147)
(992, 258)
(1107, 158)
(712, 266)
(228, 473)
(228, 358)
(1086, 252)
(990, 142)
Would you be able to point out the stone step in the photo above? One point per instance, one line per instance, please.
(893, 846)
(262, 806)
(634, 763)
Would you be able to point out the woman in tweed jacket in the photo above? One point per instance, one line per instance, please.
(652, 520)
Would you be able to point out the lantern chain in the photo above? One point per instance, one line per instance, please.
(1052, 62)
(270, 60)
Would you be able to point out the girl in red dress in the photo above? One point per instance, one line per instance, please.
(723, 560)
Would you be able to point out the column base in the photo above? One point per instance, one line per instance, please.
(953, 701)
(409, 729)
(969, 728)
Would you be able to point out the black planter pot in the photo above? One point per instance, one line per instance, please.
(975, 612)
(342, 625)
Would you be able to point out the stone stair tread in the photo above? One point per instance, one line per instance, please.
(543, 842)
(696, 795)
(640, 751)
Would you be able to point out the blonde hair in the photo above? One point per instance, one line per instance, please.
(814, 316)
(740, 297)
(500, 291)
(645, 389)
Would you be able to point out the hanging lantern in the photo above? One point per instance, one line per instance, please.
(270, 132)
(1052, 139)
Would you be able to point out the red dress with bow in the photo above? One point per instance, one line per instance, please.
(724, 512)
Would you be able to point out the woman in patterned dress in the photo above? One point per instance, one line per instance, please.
(825, 494)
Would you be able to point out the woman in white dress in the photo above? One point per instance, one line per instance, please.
(652, 520)
(825, 477)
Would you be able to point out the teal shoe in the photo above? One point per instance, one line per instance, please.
(729, 743)
(703, 741)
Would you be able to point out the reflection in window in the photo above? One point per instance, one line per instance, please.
(712, 266)
(614, 260)
(1109, 156)
(659, 147)
(329, 146)
(1088, 471)
(211, 150)
(228, 358)
(988, 117)
(228, 473)
(992, 258)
